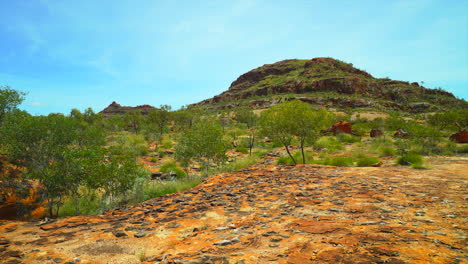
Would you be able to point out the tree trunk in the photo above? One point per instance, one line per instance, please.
(302, 151)
(289, 153)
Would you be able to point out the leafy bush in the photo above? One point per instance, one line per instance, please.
(171, 167)
(238, 164)
(386, 151)
(129, 145)
(347, 138)
(156, 189)
(410, 159)
(337, 161)
(462, 149)
(366, 161)
(242, 149)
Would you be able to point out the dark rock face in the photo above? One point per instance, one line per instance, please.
(460, 137)
(116, 109)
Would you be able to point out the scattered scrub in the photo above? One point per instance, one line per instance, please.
(410, 159)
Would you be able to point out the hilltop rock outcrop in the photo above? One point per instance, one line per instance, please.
(329, 82)
(116, 109)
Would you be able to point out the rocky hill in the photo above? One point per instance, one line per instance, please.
(117, 109)
(329, 82)
(270, 214)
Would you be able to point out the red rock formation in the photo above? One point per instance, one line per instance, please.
(340, 127)
(460, 137)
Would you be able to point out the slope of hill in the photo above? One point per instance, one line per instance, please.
(117, 109)
(270, 214)
(330, 82)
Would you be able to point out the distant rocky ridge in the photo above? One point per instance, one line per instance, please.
(329, 82)
(116, 109)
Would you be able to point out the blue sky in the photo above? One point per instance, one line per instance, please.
(76, 54)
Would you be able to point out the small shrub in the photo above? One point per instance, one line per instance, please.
(154, 160)
(462, 149)
(243, 150)
(347, 138)
(238, 164)
(367, 161)
(284, 160)
(410, 159)
(171, 166)
(339, 162)
(156, 189)
(129, 145)
(418, 166)
(386, 151)
(331, 144)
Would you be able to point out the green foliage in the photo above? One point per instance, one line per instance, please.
(246, 116)
(410, 159)
(130, 145)
(383, 147)
(9, 100)
(133, 120)
(347, 138)
(171, 167)
(331, 144)
(367, 161)
(63, 155)
(452, 120)
(157, 120)
(203, 142)
(297, 155)
(295, 119)
(238, 164)
(242, 149)
(462, 149)
(156, 189)
(338, 161)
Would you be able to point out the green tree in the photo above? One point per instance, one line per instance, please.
(246, 116)
(134, 120)
(9, 100)
(63, 155)
(295, 119)
(204, 143)
(158, 119)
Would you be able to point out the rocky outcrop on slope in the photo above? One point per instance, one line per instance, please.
(117, 109)
(270, 214)
(326, 81)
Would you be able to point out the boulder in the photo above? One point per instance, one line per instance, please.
(376, 133)
(460, 137)
(401, 133)
(340, 127)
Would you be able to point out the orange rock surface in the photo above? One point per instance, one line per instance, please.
(270, 214)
